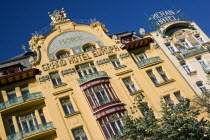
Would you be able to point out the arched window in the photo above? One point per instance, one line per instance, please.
(62, 54)
(89, 46)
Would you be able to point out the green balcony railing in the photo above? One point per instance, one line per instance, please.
(19, 100)
(149, 61)
(192, 52)
(92, 76)
(206, 69)
(31, 131)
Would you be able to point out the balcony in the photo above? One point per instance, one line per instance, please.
(149, 62)
(20, 101)
(92, 76)
(33, 132)
(192, 52)
(206, 69)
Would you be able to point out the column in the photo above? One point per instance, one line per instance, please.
(38, 117)
(4, 94)
(18, 91)
(14, 120)
(46, 114)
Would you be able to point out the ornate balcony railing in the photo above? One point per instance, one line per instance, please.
(31, 131)
(206, 69)
(149, 61)
(20, 100)
(92, 76)
(195, 51)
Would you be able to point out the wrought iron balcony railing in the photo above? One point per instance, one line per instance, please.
(31, 131)
(149, 61)
(195, 51)
(19, 100)
(92, 76)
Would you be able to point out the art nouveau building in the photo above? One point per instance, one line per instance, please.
(187, 46)
(81, 81)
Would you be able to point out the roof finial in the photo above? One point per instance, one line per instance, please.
(24, 48)
(58, 16)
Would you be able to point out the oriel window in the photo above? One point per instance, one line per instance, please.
(56, 80)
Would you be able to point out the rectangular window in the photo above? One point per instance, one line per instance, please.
(171, 48)
(186, 68)
(200, 40)
(202, 87)
(130, 85)
(11, 94)
(169, 101)
(144, 108)
(41, 113)
(141, 55)
(25, 92)
(115, 61)
(152, 77)
(179, 97)
(200, 60)
(185, 44)
(11, 126)
(56, 80)
(79, 134)
(67, 106)
(86, 69)
(162, 74)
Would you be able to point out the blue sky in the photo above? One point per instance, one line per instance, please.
(19, 19)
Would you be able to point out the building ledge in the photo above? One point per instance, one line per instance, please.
(137, 92)
(124, 72)
(73, 114)
(62, 91)
(165, 82)
(123, 66)
(61, 85)
(192, 73)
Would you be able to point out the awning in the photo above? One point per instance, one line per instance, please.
(136, 44)
(18, 76)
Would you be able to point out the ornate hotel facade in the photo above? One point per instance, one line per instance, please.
(78, 81)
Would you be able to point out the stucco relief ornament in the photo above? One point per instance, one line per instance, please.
(58, 16)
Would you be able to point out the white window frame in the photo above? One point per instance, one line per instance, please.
(199, 39)
(186, 43)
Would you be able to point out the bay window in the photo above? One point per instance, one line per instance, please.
(100, 94)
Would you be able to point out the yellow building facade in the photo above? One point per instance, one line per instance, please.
(81, 81)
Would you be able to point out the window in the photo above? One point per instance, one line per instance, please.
(152, 77)
(86, 69)
(67, 106)
(79, 134)
(89, 48)
(200, 60)
(130, 85)
(63, 55)
(202, 87)
(56, 79)
(171, 48)
(179, 97)
(185, 43)
(144, 108)
(169, 101)
(41, 113)
(115, 61)
(200, 40)
(186, 68)
(11, 70)
(27, 122)
(141, 56)
(25, 92)
(162, 74)
(101, 94)
(112, 125)
(11, 126)
(11, 94)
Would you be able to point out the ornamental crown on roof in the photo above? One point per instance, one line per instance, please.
(58, 16)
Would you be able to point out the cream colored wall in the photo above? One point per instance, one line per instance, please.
(191, 61)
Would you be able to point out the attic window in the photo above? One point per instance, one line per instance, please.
(11, 70)
(89, 46)
(62, 54)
